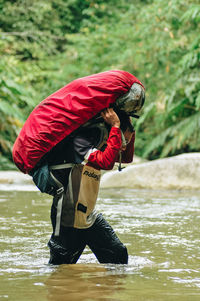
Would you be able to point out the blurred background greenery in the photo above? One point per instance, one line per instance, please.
(44, 44)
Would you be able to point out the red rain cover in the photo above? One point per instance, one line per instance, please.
(64, 111)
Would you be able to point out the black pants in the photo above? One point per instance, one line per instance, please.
(100, 237)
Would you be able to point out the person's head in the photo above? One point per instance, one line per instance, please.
(132, 101)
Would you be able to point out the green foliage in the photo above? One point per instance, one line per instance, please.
(15, 104)
(46, 44)
(179, 120)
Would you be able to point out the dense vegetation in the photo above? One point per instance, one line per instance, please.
(46, 44)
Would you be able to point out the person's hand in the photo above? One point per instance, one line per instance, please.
(111, 117)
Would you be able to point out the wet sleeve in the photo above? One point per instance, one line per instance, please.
(107, 158)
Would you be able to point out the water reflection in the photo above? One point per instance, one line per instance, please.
(83, 282)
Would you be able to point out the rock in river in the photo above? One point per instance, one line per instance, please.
(178, 172)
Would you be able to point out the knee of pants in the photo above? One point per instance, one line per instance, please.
(61, 255)
(122, 255)
(56, 259)
(58, 255)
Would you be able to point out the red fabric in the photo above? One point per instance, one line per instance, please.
(64, 111)
(107, 158)
(127, 155)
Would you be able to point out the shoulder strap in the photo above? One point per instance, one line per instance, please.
(61, 166)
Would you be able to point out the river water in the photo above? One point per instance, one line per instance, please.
(159, 228)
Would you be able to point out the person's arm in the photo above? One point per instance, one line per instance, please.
(107, 158)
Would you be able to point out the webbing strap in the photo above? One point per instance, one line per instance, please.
(123, 139)
(61, 166)
(60, 191)
(58, 216)
(120, 161)
(70, 187)
(120, 153)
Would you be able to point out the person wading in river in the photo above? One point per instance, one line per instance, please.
(65, 142)
(74, 219)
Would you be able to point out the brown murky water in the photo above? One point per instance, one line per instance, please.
(160, 229)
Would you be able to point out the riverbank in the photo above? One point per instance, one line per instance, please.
(178, 172)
